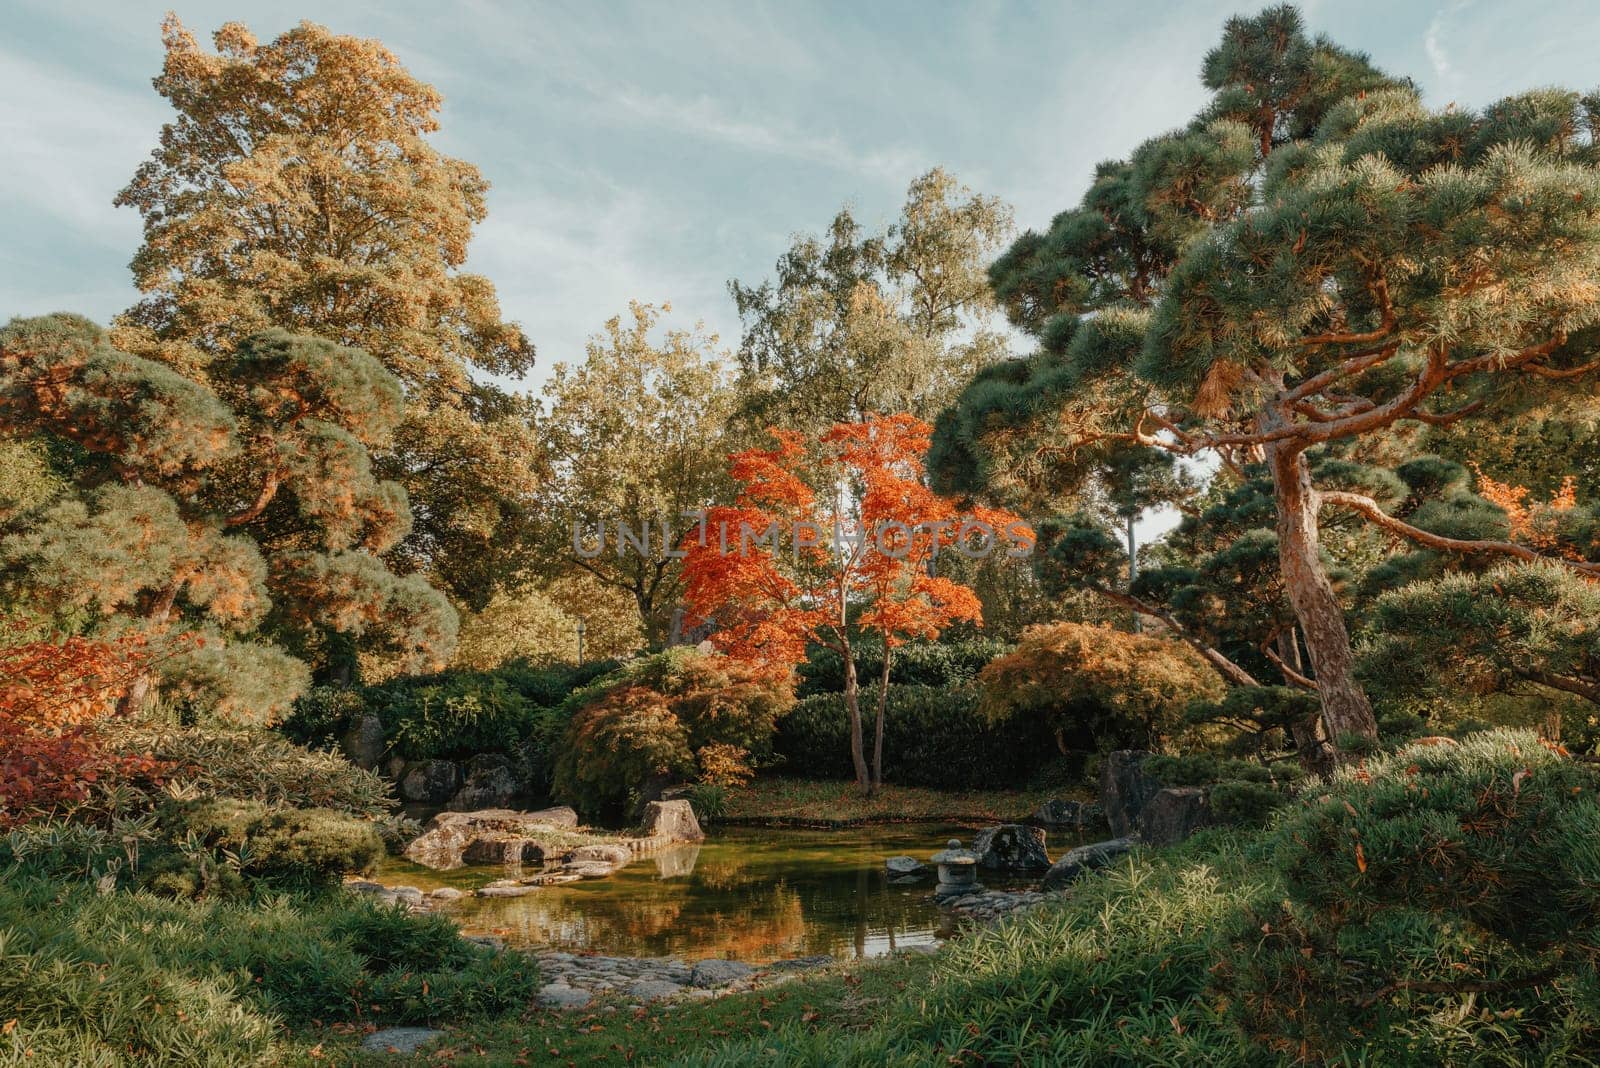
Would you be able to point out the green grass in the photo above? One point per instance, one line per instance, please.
(810, 802)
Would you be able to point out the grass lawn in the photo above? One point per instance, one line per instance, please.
(846, 998)
(807, 802)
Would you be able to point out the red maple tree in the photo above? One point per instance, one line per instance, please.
(53, 695)
(816, 534)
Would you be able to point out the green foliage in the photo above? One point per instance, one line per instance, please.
(918, 663)
(933, 736)
(246, 765)
(451, 715)
(1441, 901)
(309, 844)
(709, 801)
(132, 978)
(1512, 625)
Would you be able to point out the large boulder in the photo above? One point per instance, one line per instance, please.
(1084, 859)
(671, 820)
(1173, 814)
(430, 781)
(1011, 847)
(363, 742)
(491, 782)
(1125, 789)
(495, 835)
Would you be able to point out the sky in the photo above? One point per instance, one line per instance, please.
(654, 151)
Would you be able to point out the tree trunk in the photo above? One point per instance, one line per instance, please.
(1133, 567)
(1345, 709)
(852, 701)
(877, 730)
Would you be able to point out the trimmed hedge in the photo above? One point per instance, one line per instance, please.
(952, 663)
(449, 716)
(933, 736)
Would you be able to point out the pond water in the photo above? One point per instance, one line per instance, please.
(746, 893)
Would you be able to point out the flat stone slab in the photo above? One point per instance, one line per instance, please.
(399, 1039)
(562, 996)
(507, 891)
(653, 989)
(713, 973)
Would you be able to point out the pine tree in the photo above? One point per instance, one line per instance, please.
(1317, 258)
(248, 514)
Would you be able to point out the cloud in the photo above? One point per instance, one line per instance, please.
(1435, 49)
(706, 118)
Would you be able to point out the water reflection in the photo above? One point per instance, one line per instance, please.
(752, 895)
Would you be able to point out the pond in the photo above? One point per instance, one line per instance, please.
(745, 893)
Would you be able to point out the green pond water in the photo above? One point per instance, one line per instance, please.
(745, 893)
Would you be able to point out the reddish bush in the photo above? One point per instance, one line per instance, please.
(53, 695)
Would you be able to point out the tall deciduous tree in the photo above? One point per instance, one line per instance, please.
(297, 188)
(786, 566)
(218, 510)
(637, 439)
(857, 322)
(1317, 258)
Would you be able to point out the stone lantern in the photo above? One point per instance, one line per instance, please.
(958, 870)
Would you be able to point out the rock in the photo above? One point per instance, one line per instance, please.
(447, 893)
(800, 964)
(1173, 814)
(1125, 789)
(614, 855)
(709, 974)
(589, 871)
(653, 989)
(905, 868)
(363, 886)
(409, 894)
(672, 820)
(363, 742)
(1011, 847)
(562, 996)
(1059, 813)
(489, 833)
(433, 781)
(491, 782)
(1085, 859)
(507, 891)
(399, 1039)
(494, 942)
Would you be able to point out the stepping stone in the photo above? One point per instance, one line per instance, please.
(507, 891)
(653, 989)
(399, 1039)
(562, 996)
(714, 973)
(447, 893)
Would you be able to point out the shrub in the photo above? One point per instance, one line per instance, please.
(54, 698)
(132, 978)
(450, 715)
(661, 718)
(1444, 899)
(933, 736)
(916, 663)
(1097, 687)
(247, 765)
(312, 844)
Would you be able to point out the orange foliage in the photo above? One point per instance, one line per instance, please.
(1533, 524)
(781, 566)
(52, 697)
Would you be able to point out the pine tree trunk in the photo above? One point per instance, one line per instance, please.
(1345, 709)
(877, 730)
(1133, 566)
(852, 701)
